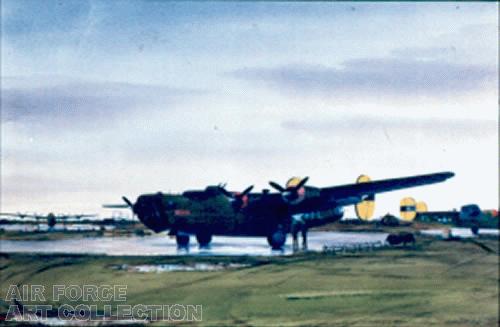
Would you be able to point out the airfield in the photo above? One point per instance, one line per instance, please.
(161, 244)
(436, 283)
(133, 239)
(347, 278)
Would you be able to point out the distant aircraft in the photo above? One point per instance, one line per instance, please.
(293, 209)
(51, 218)
(469, 216)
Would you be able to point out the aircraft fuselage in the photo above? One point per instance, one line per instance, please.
(216, 215)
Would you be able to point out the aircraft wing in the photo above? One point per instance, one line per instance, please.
(18, 215)
(80, 216)
(8, 214)
(353, 193)
(116, 206)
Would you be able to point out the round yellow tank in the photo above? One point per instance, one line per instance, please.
(408, 209)
(365, 209)
(421, 207)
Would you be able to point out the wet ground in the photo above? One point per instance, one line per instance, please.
(436, 283)
(58, 227)
(163, 245)
(459, 232)
(197, 266)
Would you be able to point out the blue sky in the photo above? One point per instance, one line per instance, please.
(108, 98)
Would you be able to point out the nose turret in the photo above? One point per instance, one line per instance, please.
(151, 212)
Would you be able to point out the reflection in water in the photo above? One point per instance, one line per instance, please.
(179, 267)
(459, 232)
(57, 228)
(161, 244)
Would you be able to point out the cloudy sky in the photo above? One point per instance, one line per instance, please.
(108, 98)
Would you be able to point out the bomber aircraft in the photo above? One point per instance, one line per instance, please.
(293, 209)
(469, 216)
(51, 218)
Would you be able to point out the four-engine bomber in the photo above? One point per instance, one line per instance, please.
(292, 209)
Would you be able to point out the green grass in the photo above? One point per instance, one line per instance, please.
(437, 283)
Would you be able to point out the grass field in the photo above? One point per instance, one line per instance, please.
(436, 283)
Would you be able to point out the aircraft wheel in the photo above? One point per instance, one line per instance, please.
(277, 239)
(182, 240)
(51, 222)
(204, 239)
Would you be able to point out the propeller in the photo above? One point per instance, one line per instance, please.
(247, 190)
(128, 202)
(277, 187)
(237, 199)
(127, 205)
(234, 195)
(290, 194)
(222, 188)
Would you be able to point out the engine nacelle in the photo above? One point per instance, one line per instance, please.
(338, 213)
(292, 195)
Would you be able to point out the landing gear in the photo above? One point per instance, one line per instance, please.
(182, 240)
(295, 240)
(304, 239)
(295, 234)
(277, 239)
(204, 239)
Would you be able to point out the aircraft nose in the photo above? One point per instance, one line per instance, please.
(150, 211)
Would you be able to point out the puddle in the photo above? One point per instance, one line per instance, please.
(161, 244)
(57, 228)
(160, 268)
(459, 232)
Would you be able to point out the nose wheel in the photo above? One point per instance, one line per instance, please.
(204, 239)
(277, 239)
(182, 240)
